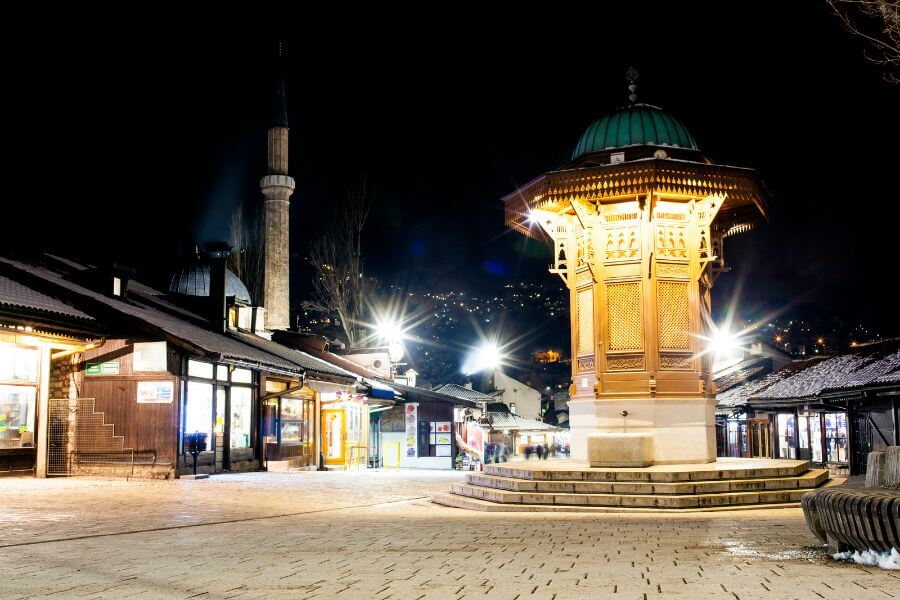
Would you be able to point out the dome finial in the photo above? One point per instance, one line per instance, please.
(631, 75)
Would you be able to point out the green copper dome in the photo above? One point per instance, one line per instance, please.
(635, 125)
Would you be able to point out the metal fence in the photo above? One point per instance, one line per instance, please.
(80, 439)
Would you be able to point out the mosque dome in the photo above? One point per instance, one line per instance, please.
(193, 280)
(635, 125)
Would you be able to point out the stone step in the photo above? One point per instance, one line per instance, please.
(811, 479)
(468, 503)
(720, 470)
(628, 500)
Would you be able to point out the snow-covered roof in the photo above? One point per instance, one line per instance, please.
(869, 364)
(507, 420)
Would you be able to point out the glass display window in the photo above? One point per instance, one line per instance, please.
(198, 413)
(18, 364)
(241, 414)
(836, 437)
(17, 416)
(242, 376)
(787, 446)
(200, 369)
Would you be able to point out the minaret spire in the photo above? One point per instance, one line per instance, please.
(631, 75)
(277, 187)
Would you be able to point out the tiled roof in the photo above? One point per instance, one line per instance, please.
(17, 295)
(458, 391)
(507, 420)
(215, 344)
(308, 362)
(870, 364)
(745, 370)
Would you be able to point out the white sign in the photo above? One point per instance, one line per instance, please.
(150, 356)
(155, 392)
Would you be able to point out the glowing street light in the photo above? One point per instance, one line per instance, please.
(390, 331)
(722, 342)
(486, 357)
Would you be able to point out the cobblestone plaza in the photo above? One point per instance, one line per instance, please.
(375, 535)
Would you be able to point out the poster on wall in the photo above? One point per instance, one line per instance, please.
(155, 392)
(411, 421)
(442, 427)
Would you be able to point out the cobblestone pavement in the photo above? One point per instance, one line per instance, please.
(372, 535)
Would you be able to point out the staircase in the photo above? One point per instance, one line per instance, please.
(558, 486)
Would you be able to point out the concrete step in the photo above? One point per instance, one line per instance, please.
(717, 471)
(811, 479)
(467, 503)
(628, 500)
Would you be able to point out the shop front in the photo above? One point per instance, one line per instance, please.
(345, 430)
(289, 425)
(218, 400)
(819, 436)
(20, 370)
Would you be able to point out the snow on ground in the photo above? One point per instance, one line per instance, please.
(885, 560)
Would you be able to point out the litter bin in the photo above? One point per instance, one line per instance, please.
(194, 444)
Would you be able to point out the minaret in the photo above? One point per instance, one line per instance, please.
(277, 187)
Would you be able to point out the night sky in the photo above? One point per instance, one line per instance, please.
(134, 147)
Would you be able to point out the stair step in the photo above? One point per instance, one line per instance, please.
(722, 469)
(628, 500)
(467, 503)
(811, 479)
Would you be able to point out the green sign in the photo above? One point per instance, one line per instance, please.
(107, 368)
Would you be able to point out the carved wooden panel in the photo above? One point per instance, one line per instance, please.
(586, 322)
(585, 365)
(625, 363)
(623, 316)
(583, 278)
(622, 243)
(675, 362)
(673, 308)
(671, 270)
(671, 242)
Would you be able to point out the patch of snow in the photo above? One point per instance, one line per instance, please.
(885, 560)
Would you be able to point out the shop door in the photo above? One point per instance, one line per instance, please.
(759, 438)
(334, 437)
(873, 429)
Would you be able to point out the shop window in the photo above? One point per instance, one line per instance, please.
(275, 386)
(441, 438)
(242, 376)
(787, 447)
(18, 391)
(198, 413)
(222, 372)
(17, 416)
(241, 407)
(200, 369)
(836, 437)
(18, 365)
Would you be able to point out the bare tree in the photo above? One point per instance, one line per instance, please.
(877, 22)
(247, 259)
(339, 285)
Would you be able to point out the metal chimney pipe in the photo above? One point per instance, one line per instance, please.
(217, 254)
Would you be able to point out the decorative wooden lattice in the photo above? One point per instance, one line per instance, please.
(674, 315)
(585, 365)
(586, 322)
(623, 316)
